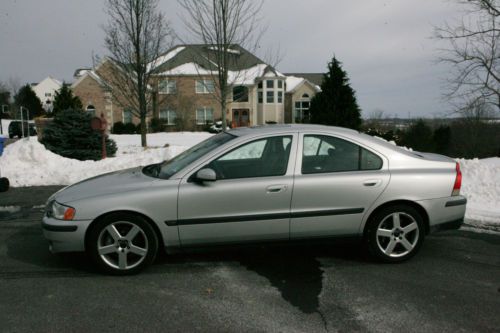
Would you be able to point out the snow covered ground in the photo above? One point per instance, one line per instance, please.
(28, 163)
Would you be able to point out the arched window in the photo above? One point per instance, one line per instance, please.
(91, 110)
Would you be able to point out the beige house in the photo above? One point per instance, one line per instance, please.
(185, 93)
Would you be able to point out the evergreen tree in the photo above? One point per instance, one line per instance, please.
(70, 135)
(419, 137)
(27, 98)
(64, 100)
(4, 103)
(336, 103)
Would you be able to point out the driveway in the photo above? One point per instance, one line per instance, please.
(453, 284)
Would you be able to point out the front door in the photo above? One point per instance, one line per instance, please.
(336, 182)
(241, 117)
(249, 201)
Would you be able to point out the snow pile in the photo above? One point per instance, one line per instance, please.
(28, 163)
(481, 186)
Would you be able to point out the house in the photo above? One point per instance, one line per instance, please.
(185, 94)
(46, 90)
(300, 89)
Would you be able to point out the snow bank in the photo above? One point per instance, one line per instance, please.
(28, 163)
(481, 186)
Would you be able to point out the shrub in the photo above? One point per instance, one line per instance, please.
(71, 136)
(157, 125)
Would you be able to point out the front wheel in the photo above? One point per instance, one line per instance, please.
(395, 233)
(122, 244)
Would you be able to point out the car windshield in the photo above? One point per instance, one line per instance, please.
(168, 168)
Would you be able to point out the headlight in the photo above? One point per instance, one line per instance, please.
(61, 212)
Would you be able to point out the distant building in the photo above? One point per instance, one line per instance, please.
(45, 91)
(184, 90)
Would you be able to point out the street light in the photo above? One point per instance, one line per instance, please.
(1, 127)
(27, 121)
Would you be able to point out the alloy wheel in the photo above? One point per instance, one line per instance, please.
(397, 234)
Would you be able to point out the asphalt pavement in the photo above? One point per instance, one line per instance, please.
(452, 285)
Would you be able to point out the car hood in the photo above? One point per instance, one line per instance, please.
(114, 182)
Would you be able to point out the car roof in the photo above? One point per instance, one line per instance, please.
(380, 144)
(283, 128)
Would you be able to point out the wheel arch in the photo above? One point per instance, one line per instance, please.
(421, 210)
(155, 227)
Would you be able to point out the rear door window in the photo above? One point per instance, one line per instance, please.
(324, 154)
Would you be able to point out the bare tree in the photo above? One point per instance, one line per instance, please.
(474, 53)
(220, 25)
(137, 34)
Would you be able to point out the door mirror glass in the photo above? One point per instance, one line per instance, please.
(206, 175)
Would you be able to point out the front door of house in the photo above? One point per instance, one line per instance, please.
(241, 117)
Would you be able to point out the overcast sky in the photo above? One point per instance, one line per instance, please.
(384, 45)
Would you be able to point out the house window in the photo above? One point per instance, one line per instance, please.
(91, 110)
(302, 106)
(240, 94)
(260, 97)
(280, 97)
(270, 97)
(270, 84)
(205, 86)
(280, 84)
(48, 95)
(127, 116)
(204, 116)
(168, 116)
(260, 85)
(167, 86)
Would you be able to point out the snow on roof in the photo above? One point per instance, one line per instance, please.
(189, 68)
(243, 77)
(164, 58)
(292, 82)
(233, 51)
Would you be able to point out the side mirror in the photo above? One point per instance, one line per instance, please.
(4, 184)
(206, 175)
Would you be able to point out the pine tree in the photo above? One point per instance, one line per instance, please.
(27, 98)
(64, 100)
(336, 103)
(70, 135)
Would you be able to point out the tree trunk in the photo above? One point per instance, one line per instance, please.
(144, 142)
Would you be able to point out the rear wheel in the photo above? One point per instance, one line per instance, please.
(395, 233)
(122, 244)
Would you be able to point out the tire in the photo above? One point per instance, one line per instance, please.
(395, 234)
(122, 244)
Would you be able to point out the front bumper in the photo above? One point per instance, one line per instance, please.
(65, 236)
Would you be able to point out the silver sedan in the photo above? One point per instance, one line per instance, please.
(262, 184)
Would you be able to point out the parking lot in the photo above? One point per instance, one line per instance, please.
(453, 284)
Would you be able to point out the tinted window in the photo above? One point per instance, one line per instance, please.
(322, 154)
(261, 158)
(170, 167)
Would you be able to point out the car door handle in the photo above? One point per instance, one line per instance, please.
(276, 188)
(372, 182)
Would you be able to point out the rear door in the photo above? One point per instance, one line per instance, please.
(249, 201)
(336, 181)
